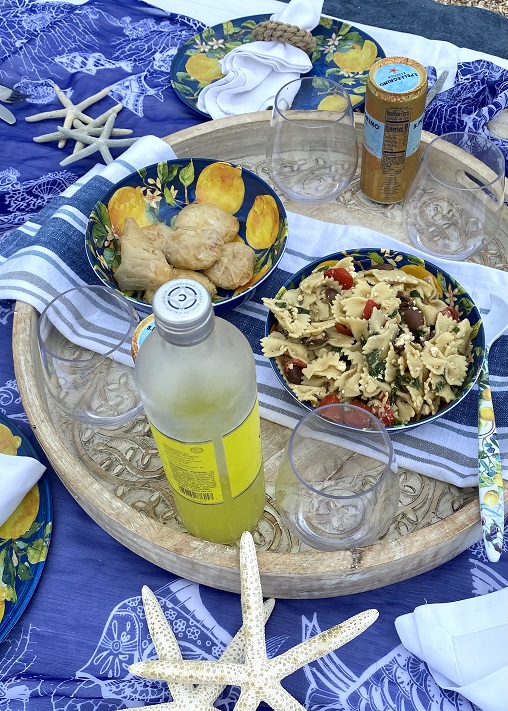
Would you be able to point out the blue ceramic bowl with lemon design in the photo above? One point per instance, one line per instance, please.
(158, 192)
(452, 293)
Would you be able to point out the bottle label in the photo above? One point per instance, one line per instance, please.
(397, 137)
(192, 469)
(397, 78)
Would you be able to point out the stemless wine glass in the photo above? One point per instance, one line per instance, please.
(337, 485)
(453, 205)
(312, 151)
(92, 386)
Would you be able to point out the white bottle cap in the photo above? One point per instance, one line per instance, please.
(183, 312)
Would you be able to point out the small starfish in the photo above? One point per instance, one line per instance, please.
(259, 677)
(100, 143)
(94, 128)
(70, 111)
(187, 697)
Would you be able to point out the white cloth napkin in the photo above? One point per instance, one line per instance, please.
(255, 72)
(17, 476)
(445, 449)
(465, 646)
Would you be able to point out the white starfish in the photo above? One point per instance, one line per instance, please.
(187, 697)
(259, 678)
(70, 111)
(94, 128)
(100, 143)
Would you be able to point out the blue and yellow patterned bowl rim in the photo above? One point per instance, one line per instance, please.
(453, 294)
(157, 193)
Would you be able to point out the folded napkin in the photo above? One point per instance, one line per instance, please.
(17, 476)
(465, 646)
(255, 72)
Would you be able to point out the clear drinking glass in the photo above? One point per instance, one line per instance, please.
(337, 485)
(453, 206)
(312, 151)
(92, 386)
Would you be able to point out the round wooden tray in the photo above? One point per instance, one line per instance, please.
(116, 476)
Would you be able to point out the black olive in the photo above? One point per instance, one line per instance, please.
(293, 372)
(329, 295)
(384, 267)
(412, 316)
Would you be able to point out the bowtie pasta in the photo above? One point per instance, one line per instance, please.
(382, 339)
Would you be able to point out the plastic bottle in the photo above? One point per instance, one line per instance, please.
(196, 377)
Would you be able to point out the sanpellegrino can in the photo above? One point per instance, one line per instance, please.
(394, 108)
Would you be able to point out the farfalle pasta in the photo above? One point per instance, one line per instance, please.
(381, 338)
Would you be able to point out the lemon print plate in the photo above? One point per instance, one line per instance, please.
(158, 192)
(24, 537)
(343, 53)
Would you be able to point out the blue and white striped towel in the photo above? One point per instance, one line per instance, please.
(46, 256)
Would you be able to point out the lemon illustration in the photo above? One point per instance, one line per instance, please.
(357, 59)
(127, 202)
(487, 394)
(334, 102)
(498, 478)
(9, 444)
(22, 518)
(203, 69)
(487, 414)
(491, 498)
(222, 185)
(262, 223)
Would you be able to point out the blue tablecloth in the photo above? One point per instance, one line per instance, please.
(85, 624)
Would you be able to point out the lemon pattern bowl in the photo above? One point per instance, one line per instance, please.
(158, 192)
(454, 296)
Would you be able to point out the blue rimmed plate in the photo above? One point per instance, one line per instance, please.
(453, 294)
(24, 537)
(343, 53)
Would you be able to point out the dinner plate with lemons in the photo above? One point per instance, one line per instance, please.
(24, 537)
(343, 53)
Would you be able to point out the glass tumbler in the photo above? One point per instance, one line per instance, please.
(453, 205)
(337, 485)
(84, 339)
(312, 152)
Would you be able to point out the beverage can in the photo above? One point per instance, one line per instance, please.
(394, 109)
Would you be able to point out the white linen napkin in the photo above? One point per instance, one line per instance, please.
(255, 72)
(465, 646)
(17, 476)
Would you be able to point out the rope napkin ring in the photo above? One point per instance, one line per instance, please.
(282, 32)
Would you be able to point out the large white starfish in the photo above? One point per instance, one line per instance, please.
(259, 677)
(187, 697)
(100, 143)
(70, 111)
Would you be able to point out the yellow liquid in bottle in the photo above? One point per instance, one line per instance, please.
(202, 404)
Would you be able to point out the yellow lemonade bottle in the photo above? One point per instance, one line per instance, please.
(196, 377)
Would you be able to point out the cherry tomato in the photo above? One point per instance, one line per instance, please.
(384, 413)
(341, 275)
(340, 328)
(451, 312)
(331, 399)
(353, 418)
(369, 308)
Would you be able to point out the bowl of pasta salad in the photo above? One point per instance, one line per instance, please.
(383, 330)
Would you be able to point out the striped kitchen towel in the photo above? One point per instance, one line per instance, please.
(47, 256)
